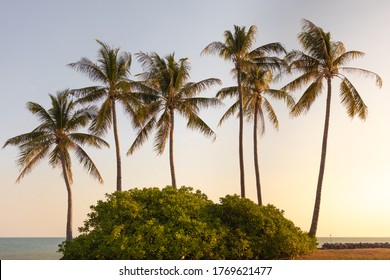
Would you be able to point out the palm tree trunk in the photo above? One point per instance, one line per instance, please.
(117, 149)
(316, 212)
(256, 158)
(69, 217)
(172, 164)
(241, 134)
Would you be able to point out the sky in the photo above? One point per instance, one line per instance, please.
(39, 38)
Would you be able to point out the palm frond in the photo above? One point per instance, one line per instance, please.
(81, 118)
(89, 68)
(214, 48)
(23, 138)
(89, 94)
(103, 119)
(180, 70)
(282, 95)
(301, 81)
(29, 151)
(89, 139)
(270, 113)
(351, 99)
(269, 63)
(196, 123)
(314, 40)
(124, 63)
(108, 61)
(153, 65)
(147, 111)
(347, 57)
(227, 92)
(302, 62)
(275, 48)
(163, 126)
(366, 73)
(202, 102)
(192, 89)
(41, 112)
(233, 109)
(337, 50)
(242, 40)
(307, 98)
(87, 163)
(44, 140)
(142, 135)
(29, 158)
(145, 88)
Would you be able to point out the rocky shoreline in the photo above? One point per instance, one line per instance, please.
(355, 245)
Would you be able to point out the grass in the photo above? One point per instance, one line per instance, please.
(349, 254)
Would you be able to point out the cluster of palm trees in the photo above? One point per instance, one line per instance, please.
(163, 89)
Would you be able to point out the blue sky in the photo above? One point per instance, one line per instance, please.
(39, 38)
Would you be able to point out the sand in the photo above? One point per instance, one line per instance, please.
(349, 254)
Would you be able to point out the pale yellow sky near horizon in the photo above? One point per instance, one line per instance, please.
(356, 190)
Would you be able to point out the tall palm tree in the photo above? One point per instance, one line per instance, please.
(112, 71)
(238, 49)
(54, 138)
(167, 80)
(323, 59)
(256, 88)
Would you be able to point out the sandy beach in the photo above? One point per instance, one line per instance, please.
(349, 254)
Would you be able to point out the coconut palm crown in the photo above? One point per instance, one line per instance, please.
(112, 72)
(56, 136)
(322, 60)
(237, 48)
(167, 80)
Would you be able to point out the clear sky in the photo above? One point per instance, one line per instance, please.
(38, 38)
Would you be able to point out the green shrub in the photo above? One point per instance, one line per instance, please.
(260, 232)
(182, 224)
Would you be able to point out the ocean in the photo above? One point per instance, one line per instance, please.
(46, 248)
(32, 248)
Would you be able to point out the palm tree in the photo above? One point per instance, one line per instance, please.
(256, 87)
(167, 80)
(238, 49)
(322, 60)
(54, 138)
(111, 70)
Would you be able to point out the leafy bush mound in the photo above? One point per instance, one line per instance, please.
(182, 224)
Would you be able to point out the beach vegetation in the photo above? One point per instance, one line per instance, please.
(166, 81)
(181, 223)
(112, 71)
(256, 106)
(237, 48)
(57, 135)
(322, 60)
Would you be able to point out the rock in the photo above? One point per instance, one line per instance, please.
(355, 245)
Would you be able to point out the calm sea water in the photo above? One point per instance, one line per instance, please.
(30, 248)
(46, 248)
